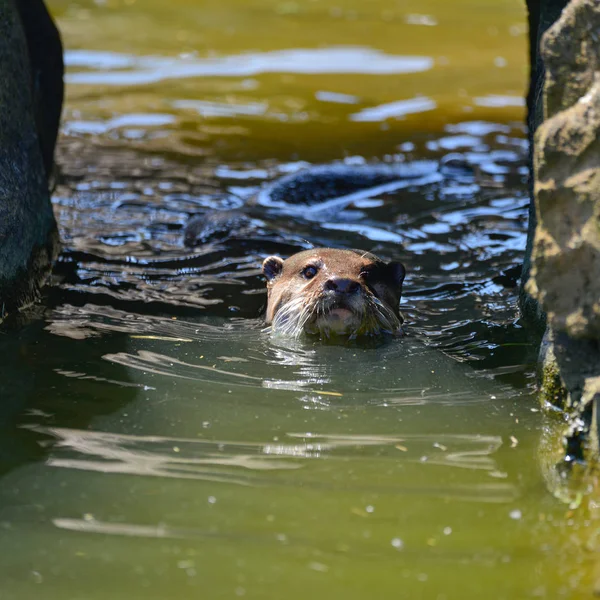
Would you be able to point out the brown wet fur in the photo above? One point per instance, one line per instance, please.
(350, 283)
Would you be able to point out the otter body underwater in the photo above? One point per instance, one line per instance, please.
(330, 292)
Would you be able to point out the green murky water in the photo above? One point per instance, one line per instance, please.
(158, 444)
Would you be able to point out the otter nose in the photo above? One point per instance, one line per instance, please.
(342, 286)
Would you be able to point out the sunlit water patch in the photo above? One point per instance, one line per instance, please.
(114, 69)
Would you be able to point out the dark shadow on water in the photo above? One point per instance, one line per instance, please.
(47, 379)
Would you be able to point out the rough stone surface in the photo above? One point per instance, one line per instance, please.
(565, 276)
(28, 238)
(564, 266)
(541, 14)
(46, 65)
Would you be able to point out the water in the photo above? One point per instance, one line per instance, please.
(157, 443)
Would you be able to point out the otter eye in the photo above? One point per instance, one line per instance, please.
(309, 272)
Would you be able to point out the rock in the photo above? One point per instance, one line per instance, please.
(541, 15)
(46, 63)
(568, 368)
(565, 259)
(566, 253)
(30, 99)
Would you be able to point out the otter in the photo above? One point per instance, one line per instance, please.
(330, 292)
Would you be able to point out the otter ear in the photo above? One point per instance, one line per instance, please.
(397, 272)
(272, 267)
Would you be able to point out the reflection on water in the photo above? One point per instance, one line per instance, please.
(236, 463)
(394, 109)
(157, 442)
(113, 69)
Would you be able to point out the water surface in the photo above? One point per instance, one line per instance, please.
(158, 443)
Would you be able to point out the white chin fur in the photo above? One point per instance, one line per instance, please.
(338, 321)
(295, 318)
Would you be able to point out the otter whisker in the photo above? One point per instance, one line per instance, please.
(290, 318)
(305, 315)
(388, 320)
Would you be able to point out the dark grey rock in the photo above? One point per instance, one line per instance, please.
(30, 100)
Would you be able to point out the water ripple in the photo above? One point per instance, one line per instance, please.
(249, 463)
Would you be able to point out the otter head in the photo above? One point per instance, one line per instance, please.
(333, 292)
